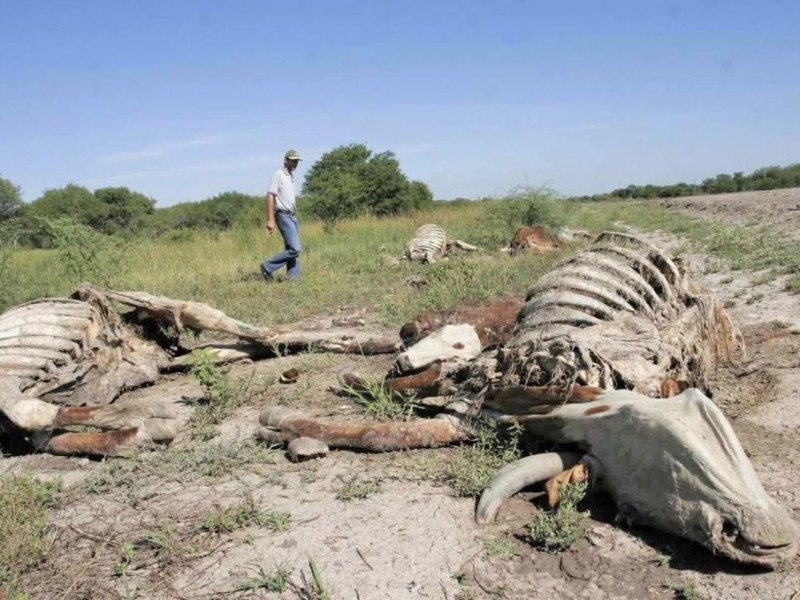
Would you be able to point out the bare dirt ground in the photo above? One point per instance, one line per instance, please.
(779, 207)
(411, 537)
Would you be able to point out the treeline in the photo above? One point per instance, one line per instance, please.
(346, 182)
(115, 211)
(766, 178)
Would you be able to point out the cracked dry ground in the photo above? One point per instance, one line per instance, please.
(410, 537)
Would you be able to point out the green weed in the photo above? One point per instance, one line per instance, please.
(316, 589)
(686, 590)
(500, 546)
(381, 403)
(471, 468)
(25, 538)
(245, 514)
(355, 488)
(559, 529)
(274, 581)
(221, 396)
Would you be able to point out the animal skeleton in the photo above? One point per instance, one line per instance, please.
(594, 340)
(594, 343)
(430, 244)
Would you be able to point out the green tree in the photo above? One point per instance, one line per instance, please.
(351, 180)
(10, 199)
(72, 201)
(123, 208)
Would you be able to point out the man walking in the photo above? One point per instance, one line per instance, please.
(282, 211)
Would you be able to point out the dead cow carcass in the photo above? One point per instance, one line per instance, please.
(430, 244)
(67, 362)
(592, 346)
(532, 239)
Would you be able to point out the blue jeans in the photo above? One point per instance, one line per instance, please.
(290, 231)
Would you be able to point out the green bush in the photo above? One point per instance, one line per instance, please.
(350, 181)
(86, 254)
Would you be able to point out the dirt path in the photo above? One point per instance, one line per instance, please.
(410, 537)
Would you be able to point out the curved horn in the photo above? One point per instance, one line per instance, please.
(518, 475)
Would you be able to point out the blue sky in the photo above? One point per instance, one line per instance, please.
(184, 99)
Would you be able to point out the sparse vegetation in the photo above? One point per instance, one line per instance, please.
(500, 546)
(559, 529)
(162, 541)
(25, 538)
(380, 403)
(273, 581)
(315, 589)
(355, 488)
(222, 396)
(244, 514)
(133, 475)
(686, 590)
(793, 284)
(472, 467)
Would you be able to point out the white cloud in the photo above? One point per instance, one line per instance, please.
(162, 148)
(201, 167)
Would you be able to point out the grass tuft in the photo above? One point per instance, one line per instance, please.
(557, 530)
(274, 581)
(25, 538)
(381, 403)
(133, 475)
(355, 488)
(471, 468)
(245, 514)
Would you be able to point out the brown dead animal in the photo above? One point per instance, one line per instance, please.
(533, 239)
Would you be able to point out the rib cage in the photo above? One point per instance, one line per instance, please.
(428, 244)
(619, 315)
(74, 352)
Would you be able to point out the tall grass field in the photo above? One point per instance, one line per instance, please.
(355, 266)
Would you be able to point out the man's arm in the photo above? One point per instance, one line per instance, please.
(270, 203)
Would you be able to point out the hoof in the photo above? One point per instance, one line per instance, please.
(304, 448)
(289, 376)
(273, 416)
(349, 378)
(161, 430)
(271, 436)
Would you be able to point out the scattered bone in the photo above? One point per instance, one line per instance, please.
(450, 342)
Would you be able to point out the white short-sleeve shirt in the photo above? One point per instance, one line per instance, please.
(282, 185)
